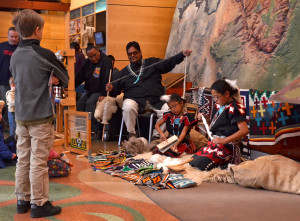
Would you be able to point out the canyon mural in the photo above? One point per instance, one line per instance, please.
(256, 42)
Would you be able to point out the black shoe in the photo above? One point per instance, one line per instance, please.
(46, 210)
(97, 135)
(23, 206)
(131, 135)
(94, 136)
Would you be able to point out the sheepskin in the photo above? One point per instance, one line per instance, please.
(275, 172)
(107, 107)
(215, 175)
(136, 146)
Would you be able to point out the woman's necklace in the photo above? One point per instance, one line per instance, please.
(134, 74)
(217, 115)
(177, 121)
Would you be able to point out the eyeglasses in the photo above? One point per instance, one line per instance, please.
(173, 106)
(134, 53)
(217, 98)
(93, 55)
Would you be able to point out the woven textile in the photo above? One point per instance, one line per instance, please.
(112, 160)
(244, 93)
(212, 156)
(262, 117)
(201, 96)
(156, 181)
(180, 182)
(271, 121)
(137, 171)
(288, 121)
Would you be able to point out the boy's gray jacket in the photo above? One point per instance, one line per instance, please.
(31, 66)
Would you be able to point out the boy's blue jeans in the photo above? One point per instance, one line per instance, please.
(12, 123)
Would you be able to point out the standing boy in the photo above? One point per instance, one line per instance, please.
(34, 70)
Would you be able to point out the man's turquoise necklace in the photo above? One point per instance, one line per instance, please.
(134, 74)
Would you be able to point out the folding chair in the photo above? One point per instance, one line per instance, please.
(151, 116)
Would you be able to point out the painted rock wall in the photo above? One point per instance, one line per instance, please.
(254, 41)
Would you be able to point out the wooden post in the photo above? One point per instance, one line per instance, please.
(70, 99)
(71, 94)
(51, 6)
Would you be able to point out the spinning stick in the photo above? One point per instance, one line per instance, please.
(184, 81)
(206, 127)
(104, 121)
(149, 66)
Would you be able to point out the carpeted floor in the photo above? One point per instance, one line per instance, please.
(85, 195)
(89, 195)
(222, 201)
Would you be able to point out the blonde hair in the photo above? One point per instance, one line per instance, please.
(26, 21)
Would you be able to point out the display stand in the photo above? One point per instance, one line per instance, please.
(78, 132)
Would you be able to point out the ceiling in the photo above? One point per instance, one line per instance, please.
(60, 1)
(51, 5)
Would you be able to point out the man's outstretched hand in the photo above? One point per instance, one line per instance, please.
(187, 52)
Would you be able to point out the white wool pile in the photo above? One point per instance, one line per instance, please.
(165, 98)
(143, 139)
(215, 175)
(160, 161)
(145, 156)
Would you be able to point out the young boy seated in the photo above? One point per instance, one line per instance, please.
(7, 146)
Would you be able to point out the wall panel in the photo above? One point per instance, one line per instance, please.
(150, 26)
(5, 23)
(53, 33)
(79, 3)
(151, 3)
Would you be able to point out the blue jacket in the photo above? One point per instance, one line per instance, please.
(5, 152)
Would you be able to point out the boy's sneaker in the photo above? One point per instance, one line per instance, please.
(23, 206)
(46, 210)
